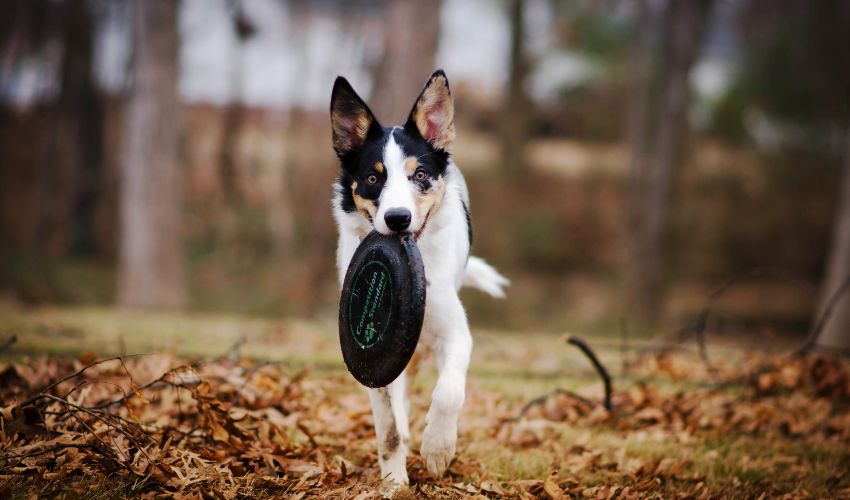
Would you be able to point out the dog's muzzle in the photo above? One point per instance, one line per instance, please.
(397, 219)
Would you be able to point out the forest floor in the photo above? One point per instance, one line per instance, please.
(226, 407)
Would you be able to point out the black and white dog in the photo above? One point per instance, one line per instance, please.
(402, 179)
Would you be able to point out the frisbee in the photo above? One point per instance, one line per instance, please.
(381, 308)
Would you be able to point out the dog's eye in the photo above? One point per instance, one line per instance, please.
(372, 179)
(420, 175)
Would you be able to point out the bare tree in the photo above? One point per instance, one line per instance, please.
(640, 76)
(412, 35)
(514, 122)
(80, 118)
(836, 333)
(662, 139)
(151, 267)
(235, 111)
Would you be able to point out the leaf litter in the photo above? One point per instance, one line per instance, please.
(159, 426)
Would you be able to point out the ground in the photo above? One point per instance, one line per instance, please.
(228, 406)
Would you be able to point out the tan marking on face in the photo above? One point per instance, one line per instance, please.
(366, 207)
(434, 114)
(429, 201)
(410, 165)
(379, 167)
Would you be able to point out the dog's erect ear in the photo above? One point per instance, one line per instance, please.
(433, 115)
(351, 119)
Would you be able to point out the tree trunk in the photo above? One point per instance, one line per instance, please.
(836, 333)
(82, 116)
(412, 35)
(685, 21)
(515, 115)
(637, 133)
(151, 272)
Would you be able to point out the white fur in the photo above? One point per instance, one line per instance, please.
(398, 192)
(444, 246)
(481, 275)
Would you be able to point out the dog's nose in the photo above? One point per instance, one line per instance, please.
(397, 219)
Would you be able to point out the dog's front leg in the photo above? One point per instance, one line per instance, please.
(389, 410)
(446, 321)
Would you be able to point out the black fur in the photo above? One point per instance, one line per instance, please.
(433, 161)
(357, 165)
(468, 224)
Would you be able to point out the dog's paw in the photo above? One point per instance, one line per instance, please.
(393, 475)
(390, 487)
(438, 447)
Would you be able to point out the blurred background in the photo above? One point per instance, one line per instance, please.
(625, 157)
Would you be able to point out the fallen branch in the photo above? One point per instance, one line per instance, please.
(603, 373)
(539, 400)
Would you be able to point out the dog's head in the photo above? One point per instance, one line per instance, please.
(394, 176)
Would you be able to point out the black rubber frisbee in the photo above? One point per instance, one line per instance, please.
(381, 308)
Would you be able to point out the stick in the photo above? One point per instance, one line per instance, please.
(53, 385)
(583, 347)
(49, 449)
(624, 347)
(233, 354)
(539, 400)
(161, 379)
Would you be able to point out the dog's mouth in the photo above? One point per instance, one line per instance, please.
(418, 233)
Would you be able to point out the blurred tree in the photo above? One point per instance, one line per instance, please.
(412, 34)
(235, 110)
(638, 69)
(80, 118)
(657, 147)
(151, 266)
(836, 332)
(796, 72)
(514, 122)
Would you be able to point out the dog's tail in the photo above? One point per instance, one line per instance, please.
(484, 277)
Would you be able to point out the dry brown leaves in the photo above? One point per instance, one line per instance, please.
(803, 398)
(165, 427)
(218, 429)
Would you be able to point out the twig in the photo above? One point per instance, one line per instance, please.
(103, 417)
(820, 324)
(160, 379)
(697, 329)
(234, 349)
(303, 428)
(8, 343)
(53, 385)
(49, 449)
(583, 347)
(624, 346)
(539, 400)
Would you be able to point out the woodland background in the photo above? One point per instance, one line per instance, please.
(647, 152)
(645, 172)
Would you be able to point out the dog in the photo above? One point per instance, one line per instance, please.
(402, 179)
